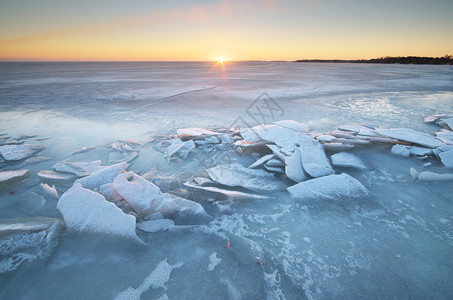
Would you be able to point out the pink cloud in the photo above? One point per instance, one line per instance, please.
(190, 14)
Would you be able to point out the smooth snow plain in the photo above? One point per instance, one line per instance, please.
(394, 242)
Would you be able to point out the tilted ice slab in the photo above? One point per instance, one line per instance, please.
(19, 152)
(179, 148)
(142, 195)
(79, 169)
(314, 159)
(449, 123)
(155, 225)
(430, 176)
(157, 279)
(447, 158)
(85, 210)
(11, 178)
(227, 193)
(28, 239)
(445, 136)
(400, 150)
(103, 176)
(236, 175)
(281, 136)
(412, 136)
(261, 161)
(328, 187)
(146, 198)
(348, 160)
(293, 167)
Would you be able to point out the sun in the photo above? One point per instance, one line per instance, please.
(220, 60)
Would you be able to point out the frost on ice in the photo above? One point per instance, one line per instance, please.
(157, 279)
(28, 239)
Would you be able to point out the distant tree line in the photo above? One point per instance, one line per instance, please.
(417, 60)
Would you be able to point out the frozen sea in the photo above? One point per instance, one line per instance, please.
(395, 243)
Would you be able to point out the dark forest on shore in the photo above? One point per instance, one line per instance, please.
(417, 60)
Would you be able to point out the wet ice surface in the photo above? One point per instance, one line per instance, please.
(394, 242)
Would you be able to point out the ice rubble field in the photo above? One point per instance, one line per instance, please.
(185, 181)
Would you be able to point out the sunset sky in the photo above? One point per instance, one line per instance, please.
(185, 30)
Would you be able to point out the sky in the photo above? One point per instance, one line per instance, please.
(186, 30)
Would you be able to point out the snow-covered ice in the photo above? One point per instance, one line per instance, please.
(272, 245)
(85, 210)
(328, 187)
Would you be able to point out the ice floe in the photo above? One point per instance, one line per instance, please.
(13, 177)
(430, 176)
(447, 158)
(261, 161)
(49, 191)
(19, 152)
(235, 175)
(400, 150)
(146, 198)
(412, 136)
(314, 159)
(48, 175)
(79, 169)
(102, 176)
(293, 167)
(348, 160)
(155, 225)
(328, 187)
(85, 210)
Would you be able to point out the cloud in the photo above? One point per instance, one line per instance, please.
(189, 14)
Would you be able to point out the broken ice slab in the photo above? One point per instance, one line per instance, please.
(281, 136)
(400, 150)
(229, 194)
(337, 147)
(102, 176)
(326, 138)
(52, 176)
(261, 161)
(235, 175)
(146, 198)
(434, 118)
(79, 169)
(293, 167)
(27, 239)
(275, 163)
(277, 151)
(328, 187)
(449, 123)
(19, 152)
(412, 136)
(314, 160)
(49, 191)
(274, 169)
(445, 136)
(85, 210)
(430, 176)
(155, 225)
(447, 158)
(9, 179)
(347, 160)
(179, 148)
